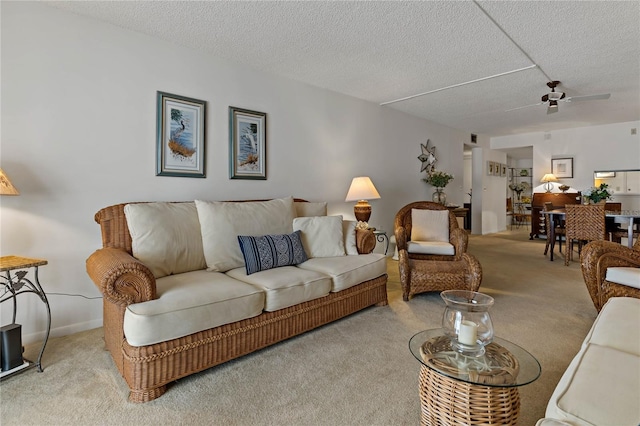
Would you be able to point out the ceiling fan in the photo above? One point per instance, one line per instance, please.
(552, 98)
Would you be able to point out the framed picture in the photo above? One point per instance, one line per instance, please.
(180, 133)
(503, 170)
(562, 167)
(247, 144)
(490, 167)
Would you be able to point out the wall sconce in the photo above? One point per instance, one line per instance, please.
(547, 179)
(361, 190)
(6, 187)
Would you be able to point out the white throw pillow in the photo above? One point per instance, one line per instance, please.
(166, 237)
(429, 225)
(304, 209)
(349, 232)
(221, 222)
(321, 235)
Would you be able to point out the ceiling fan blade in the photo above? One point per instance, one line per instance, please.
(589, 97)
(526, 106)
(551, 110)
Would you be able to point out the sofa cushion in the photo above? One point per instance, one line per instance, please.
(188, 303)
(431, 247)
(599, 374)
(429, 225)
(166, 237)
(624, 275)
(349, 233)
(221, 223)
(271, 251)
(347, 271)
(321, 235)
(286, 286)
(606, 369)
(306, 209)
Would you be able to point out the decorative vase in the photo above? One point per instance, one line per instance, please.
(466, 321)
(439, 196)
(585, 200)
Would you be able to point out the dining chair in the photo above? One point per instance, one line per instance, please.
(559, 229)
(510, 212)
(583, 223)
(616, 230)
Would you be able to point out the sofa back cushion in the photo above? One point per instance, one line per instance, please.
(222, 221)
(306, 209)
(166, 237)
(322, 236)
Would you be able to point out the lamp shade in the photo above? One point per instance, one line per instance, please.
(6, 187)
(549, 177)
(362, 189)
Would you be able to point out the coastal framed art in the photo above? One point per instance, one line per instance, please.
(562, 167)
(180, 146)
(503, 170)
(247, 144)
(490, 166)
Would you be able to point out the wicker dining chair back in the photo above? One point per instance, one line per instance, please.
(583, 223)
(558, 229)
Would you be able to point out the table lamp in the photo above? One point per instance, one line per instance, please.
(6, 187)
(547, 179)
(361, 190)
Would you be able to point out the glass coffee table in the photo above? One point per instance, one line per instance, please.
(459, 389)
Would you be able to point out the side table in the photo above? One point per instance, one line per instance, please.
(457, 389)
(12, 285)
(382, 237)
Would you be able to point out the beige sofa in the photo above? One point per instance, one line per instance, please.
(182, 292)
(601, 386)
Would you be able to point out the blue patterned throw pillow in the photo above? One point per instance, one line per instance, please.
(271, 251)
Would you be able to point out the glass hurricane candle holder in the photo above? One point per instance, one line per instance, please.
(466, 321)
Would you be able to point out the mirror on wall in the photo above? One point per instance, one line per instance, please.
(623, 182)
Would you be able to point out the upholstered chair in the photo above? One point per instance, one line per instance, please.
(432, 251)
(610, 270)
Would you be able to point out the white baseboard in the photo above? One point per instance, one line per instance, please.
(61, 331)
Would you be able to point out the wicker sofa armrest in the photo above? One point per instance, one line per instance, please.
(596, 257)
(460, 240)
(474, 271)
(120, 277)
(365, 241)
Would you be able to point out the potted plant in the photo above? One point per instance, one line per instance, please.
(598, 194)
(440, 180)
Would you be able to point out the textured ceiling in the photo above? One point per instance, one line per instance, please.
(384, 51)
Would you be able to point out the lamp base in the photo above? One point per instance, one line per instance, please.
(362, 211)
(548, 186)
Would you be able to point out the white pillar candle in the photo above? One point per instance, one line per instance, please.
(468, 333)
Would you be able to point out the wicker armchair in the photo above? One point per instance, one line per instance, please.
(583, 223)
(596, 257)
(420, 272)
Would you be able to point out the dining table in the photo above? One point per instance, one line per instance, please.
(618, 216)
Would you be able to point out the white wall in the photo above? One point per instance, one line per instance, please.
(603, 147)
(78, 134)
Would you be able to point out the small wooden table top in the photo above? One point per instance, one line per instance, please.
(9, 263)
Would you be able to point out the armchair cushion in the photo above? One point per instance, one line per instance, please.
(431, 247)
(166, 237)
(321, 235)
(271, 251)
(430, 225)
(624, 275)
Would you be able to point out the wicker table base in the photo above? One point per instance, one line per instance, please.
(446, 401)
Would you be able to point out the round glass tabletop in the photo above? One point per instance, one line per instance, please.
(504, 364)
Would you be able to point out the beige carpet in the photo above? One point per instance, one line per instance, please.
(357, 371)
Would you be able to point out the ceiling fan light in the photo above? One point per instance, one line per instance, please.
(553, 104)
(555, 96)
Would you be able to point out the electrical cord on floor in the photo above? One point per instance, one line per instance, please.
(75, 295)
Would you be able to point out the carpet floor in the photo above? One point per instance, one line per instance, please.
(356, 371)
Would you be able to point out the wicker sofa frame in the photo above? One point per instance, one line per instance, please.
(148, 370)
(596, 257)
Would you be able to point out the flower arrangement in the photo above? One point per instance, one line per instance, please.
(518, 187)
(597, 194)
(438, 179)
